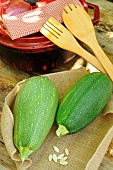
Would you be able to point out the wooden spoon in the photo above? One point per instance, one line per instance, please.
(60, 36)
(80, 25)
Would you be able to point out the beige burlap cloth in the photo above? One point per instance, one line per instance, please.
(86, 148)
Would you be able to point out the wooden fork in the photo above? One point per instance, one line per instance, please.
(80, 25)
(60, 36)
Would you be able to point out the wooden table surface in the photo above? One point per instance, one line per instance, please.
(9, 77)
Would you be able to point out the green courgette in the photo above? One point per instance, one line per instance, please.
(83, 103)
(34, 113)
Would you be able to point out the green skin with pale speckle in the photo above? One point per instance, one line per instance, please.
(34, 113)
(83, 103)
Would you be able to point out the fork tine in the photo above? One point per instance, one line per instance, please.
(73, 6)
(66, 9)
(69, 7)
(47, 33)
(53, 27)
(56, 24)
(50, 30)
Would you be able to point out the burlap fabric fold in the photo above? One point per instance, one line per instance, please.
(86, 148)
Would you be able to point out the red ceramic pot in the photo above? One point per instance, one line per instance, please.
(35, 52)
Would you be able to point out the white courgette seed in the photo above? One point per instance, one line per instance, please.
(55, 157)
(60, 156)
(56, 148)
(63, 162)
(50, 157)
(66, 151)
(63, 158)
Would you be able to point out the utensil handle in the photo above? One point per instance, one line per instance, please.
(88, 57)
(102, 57)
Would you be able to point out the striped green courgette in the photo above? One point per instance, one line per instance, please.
(85, 100)
(34, 113)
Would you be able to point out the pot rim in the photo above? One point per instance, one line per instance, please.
(27, 43)
(34, 41)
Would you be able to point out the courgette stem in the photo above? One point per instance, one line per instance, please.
(61, 131)
(24, 153)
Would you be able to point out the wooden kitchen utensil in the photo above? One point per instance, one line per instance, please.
(80, 25)
(60, 36)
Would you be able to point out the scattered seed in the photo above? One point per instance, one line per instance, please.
(50, 157)
(55, 157)
(56, 148)
(66, 151)
(60, 156)
(63, 158)
(63, 162)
